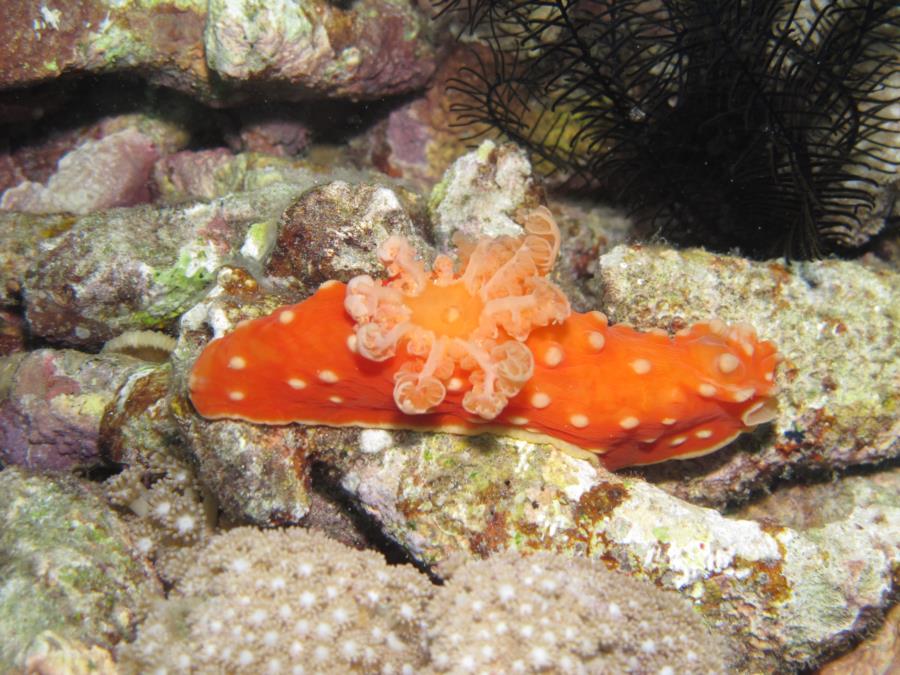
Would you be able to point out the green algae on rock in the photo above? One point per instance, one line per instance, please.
(68, 565)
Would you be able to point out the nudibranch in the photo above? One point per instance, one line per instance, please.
(488, 343)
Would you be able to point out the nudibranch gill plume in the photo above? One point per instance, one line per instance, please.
(488, 343)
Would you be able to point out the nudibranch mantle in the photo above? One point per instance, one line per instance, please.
(489, 344)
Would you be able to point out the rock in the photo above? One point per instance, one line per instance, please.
(879, 655)
(258, 474)
(222, 51)
(97, 175)
(481, 192)
(92, 282)
(833, 321)
(68, 567)
(52, 405)
(21, 235)
(332, 232)
(789, 596)
(419, 140)
(50, 654)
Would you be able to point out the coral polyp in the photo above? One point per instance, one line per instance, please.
(768, 126)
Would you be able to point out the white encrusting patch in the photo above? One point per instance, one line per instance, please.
(704, 433)
(728, 363)
(236, 395)
(237, 363)
(668, 421)
(374, 440)
(296, 383)
(706, 390)
(596, 340)
(742, 395)
(553, 356)
(540, 399)
(629, 422)
(286, 316)
(678, 440)
(578, 420)
(335, 399)
(641, 366)
(328, 376)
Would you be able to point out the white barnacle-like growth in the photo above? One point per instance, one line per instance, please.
(447, 327)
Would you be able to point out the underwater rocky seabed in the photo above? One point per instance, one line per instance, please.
(136, 535)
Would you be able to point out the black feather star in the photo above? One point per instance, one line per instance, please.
(759, 124)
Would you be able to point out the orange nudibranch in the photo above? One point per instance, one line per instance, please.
(492, 347)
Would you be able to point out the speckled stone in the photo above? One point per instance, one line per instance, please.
(333, 231)
(53, 403)
(95, 281)
(210, 50)
(68, 566)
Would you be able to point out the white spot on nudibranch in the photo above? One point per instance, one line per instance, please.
(596, 340)
(553, 356)
(236, 395)
(578, 420)
(455, 384)
(678, 440)
(668, 421)
(742, 395)
(297, 383)
(540, 399)
(336, 399)
(629, 422)
(237, 363)
(704, 433)
(706, 390)
(328, 376)
(641, 366)
(728, 363)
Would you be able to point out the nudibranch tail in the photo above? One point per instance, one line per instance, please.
(489, 347)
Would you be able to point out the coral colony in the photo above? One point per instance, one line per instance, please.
(489, 344)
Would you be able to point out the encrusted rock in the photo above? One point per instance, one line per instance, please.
(481, 192)
(788, 595)
(332, 232)
(52, 405)
(211, 49)
(68, 566)
(97, 175)
(92, 282)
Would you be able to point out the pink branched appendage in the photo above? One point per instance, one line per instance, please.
(472, 323)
